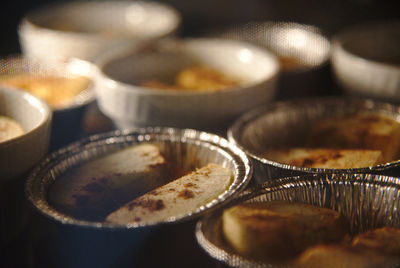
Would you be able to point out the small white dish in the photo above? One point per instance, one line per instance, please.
(19, 154)
(84, 28)
(129, 105)
(366, 60)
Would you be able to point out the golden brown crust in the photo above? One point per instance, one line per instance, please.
(57, 91)
(385, 240)
(278, 231)
(177, 198)
(204, 78)
(92, 190)
(360, 131)
(341, 256)
(199, 78)
(325, 157)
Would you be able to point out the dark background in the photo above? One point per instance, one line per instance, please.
(203, 15)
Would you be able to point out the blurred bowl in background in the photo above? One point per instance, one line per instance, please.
(66, 86)
(288, 124)
(84, 28)
(303, 52)
(19, 154)
(124, 96)
(366, 59)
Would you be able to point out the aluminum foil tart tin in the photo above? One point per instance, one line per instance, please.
(287, 123)
(367, 201)
(186, 147)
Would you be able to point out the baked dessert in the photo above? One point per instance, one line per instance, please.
(385, 240)
(278, 231)
(359, 131)
(204, 78)
(198, 77)
(176, 198)
(94, 189)
(325, 157)
(342, 256)
(375, 248)
(9, 128)
(57, 91)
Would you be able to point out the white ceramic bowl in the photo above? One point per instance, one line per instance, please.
(366, 59)
(130, 105)
(83, 28)
(20, 154)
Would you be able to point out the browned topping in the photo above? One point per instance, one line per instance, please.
(316, 159)
(154, 192)
(57, 91)
(171, 190)
(205, 172)
(336, 155)
(307, 162)
(131, 206)
(150, 204)
(201, 78)
(189, 184)
(186, 194)
(137, 219)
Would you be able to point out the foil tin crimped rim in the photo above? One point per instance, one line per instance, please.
(36, 188)
(336, 106)
(352, 182)
(17, 63)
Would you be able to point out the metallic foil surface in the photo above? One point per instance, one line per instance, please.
(367, 201)
(186, 147)
(287, 123)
